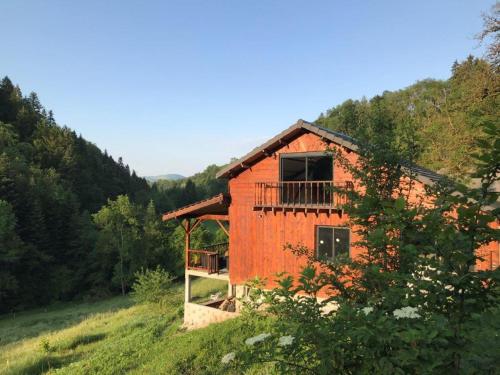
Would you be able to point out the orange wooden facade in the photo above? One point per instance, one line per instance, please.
(259, 232)
(257, 238)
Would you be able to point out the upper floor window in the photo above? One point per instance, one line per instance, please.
(332, 242)
(306, 167)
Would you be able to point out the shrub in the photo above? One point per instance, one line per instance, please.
(412, 301)
(45, 346)
(152, 286)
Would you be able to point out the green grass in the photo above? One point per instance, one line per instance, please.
(116, 336)
(203, 288)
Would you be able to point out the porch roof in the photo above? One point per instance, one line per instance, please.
(217, 205)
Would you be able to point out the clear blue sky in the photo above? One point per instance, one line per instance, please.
(175, 86)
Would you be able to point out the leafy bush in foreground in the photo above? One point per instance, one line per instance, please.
(412, 301)
(152, 286)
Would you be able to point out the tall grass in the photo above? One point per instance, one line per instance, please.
(116, 336)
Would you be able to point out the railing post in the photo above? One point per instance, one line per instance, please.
(296, 194)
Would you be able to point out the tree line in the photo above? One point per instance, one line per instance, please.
(76, 223)
(61, 200)
(443, 118)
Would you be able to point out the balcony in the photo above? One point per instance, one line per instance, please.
(301, 194)
(210, 259)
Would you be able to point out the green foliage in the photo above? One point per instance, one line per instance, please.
(411, 303)
(185, 191)
(491, 33)
(50, 178)
(119, 235)
(57, 242)
(12, 250)
(114, 336)
(131, 238)
(152, 286)
(53, 180)
(444, 116)
(45, 346)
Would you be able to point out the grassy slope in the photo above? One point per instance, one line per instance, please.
(116, 336)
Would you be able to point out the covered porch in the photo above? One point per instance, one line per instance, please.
(208, 261)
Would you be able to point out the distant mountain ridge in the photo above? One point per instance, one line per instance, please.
(170, 176)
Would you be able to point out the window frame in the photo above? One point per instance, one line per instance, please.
(332, 227)
(304, 155)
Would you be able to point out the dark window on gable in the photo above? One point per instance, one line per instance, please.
(332, 242)
(293, 168)
(319, 168)
(306, 167)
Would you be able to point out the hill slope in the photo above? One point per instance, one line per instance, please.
(170, 177)
(116, 336)
(441, 119)
(50, 179)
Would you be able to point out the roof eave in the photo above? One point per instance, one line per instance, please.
(217, 201)
(288, 134)
(424, 175)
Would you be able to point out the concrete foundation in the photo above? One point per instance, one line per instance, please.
(198, 316)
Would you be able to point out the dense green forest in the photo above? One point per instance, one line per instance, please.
(61, 202)
(442, 119)
(75, 223)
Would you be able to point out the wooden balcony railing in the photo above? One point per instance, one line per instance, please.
(301, 194)
(210, 259)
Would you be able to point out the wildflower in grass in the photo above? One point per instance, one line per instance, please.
(228, 358)
(367, 310)
(406, 312)
(285, 340)
(256, 339)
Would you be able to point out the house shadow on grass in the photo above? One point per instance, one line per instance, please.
(53, 360)
(84, 340)
(45, 363)
(28, 324)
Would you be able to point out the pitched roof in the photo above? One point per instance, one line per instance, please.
(217, 205)
(301, 127)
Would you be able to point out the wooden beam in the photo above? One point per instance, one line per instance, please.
(181, 224)
(214, 217)
(223, 227)
(196, 223)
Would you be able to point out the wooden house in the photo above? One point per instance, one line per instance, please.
(280, 193)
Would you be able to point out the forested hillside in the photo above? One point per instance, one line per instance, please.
(179, 193)
(76, 223)
(51, 179)
(64, 204)
(441, 119)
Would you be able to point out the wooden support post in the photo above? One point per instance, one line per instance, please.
(223, 227)
(187, 284)
(187, 229)
(196, 223)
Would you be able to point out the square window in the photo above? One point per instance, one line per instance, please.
(325, 243)
(332, 242)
